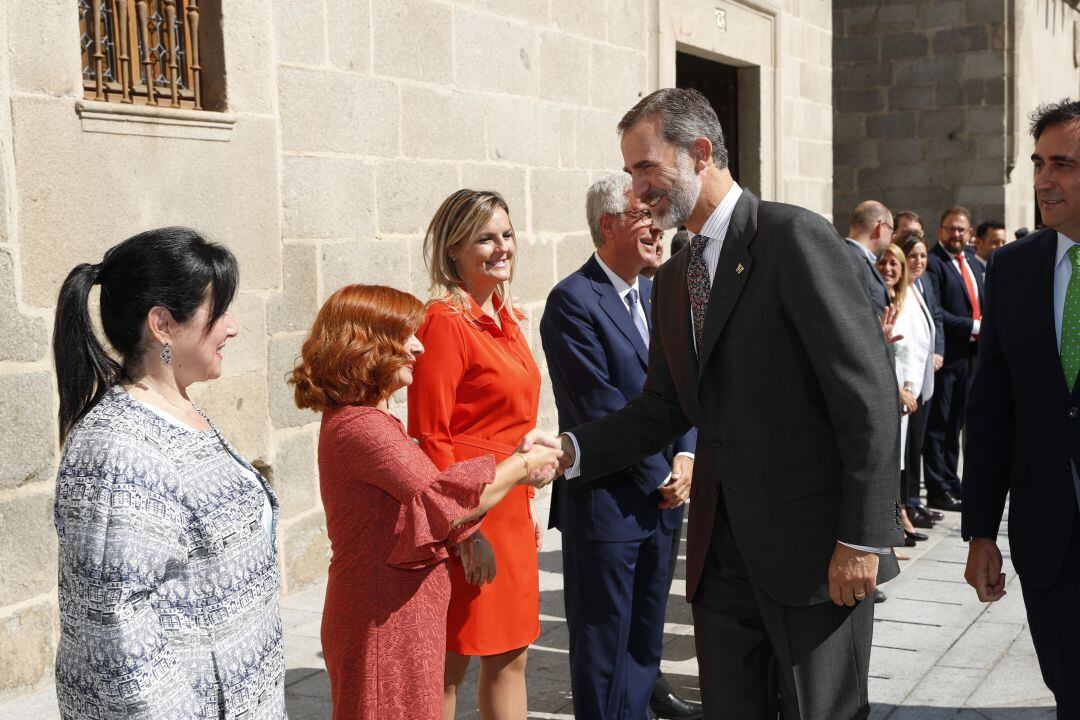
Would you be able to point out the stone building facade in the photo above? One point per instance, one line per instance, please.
(932, 99)
(342, 125)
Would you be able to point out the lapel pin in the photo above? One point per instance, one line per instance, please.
(739, 268)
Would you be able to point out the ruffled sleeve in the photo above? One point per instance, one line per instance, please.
(423, 526)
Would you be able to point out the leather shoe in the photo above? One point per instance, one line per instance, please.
(920, 518)
(916, 536)
(879, 597)
(934, 514)
(666, 704)
(946, 501)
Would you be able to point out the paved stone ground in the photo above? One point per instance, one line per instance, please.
(938, 652)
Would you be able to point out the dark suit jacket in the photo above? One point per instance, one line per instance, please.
(875, 284)
(953, 299)
(794, 400)
(930, 295)
(1023, 423)
(597, 363)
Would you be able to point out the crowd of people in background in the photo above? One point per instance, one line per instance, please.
(765, 371)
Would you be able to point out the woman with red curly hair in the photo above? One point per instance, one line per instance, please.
(390, 513)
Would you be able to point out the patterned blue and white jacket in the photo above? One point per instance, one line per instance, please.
(168, 583)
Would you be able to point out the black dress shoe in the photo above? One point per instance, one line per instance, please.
(879, 597)
(666, 704)
(916, 536)
(920, 518)
(947, 501)
(934, 514)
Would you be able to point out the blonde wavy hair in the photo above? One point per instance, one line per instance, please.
(460, 218)
(899, 290)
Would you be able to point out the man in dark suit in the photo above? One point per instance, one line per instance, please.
(958, 281)
(1023, 432)
(763, 340)
(870, 232)
(617, 528)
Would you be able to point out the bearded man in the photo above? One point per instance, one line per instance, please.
(763, 339)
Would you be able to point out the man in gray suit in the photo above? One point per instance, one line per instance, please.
(871, 231)
(762, 338)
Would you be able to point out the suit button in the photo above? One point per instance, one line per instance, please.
(1072, 412)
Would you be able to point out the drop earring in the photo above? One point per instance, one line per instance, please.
(166, 354)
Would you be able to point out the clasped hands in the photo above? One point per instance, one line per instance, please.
(544, 457)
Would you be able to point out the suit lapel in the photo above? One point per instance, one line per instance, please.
(732, 270)
(615, 308)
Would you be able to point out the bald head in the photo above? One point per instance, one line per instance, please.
(872, 225)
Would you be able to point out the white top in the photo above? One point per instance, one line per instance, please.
(915, 351)
(268, 510)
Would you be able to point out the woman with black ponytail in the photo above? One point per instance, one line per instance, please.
(168, 575)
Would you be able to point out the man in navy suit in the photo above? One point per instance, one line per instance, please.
(958, 282)
(617, 529)
(1023, 429)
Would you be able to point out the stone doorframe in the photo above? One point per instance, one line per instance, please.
(745, 34)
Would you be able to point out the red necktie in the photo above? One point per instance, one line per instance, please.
(969, 286)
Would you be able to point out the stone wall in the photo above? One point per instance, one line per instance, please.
(347, 123)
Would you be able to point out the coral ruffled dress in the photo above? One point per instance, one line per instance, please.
(476, 391)
(388, 515)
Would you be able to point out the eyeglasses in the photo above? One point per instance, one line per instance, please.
(891, 228)
(644, 216)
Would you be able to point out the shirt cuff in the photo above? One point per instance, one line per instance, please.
(685, 454)
(574, 470)
(976, 325)
(864, 548)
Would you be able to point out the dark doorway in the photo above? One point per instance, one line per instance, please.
(720, 84)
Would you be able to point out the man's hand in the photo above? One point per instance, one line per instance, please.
(908, 403)
(536, 436)
(984, 569)
(677, 489)
(852, 575)
(478, 559)
(938, 362)
(888, 320)
(567, 460)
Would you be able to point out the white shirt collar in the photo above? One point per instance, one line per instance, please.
(1063, 244)
(715, 228)
(620, 285)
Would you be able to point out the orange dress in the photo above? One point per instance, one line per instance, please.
(476, 391)
(388, 515)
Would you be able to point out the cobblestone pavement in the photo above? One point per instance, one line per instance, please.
(938, 652)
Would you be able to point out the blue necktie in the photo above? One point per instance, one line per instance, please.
(639, 321)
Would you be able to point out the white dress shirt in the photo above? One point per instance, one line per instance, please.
(975, 324)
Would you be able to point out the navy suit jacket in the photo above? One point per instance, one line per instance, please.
(930, 295)
(597, 362)
(953, 299)
(1023, 420)
(875, 284)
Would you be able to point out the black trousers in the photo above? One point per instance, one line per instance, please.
(1054, 620)
(941, 447)
(758, 658)
(911, 475)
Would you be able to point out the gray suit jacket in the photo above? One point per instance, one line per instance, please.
(875, 284)
(794, 400)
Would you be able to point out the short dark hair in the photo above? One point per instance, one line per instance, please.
(685, 115)
(909, 239)
(1061, 112)
(955, 210)
(987, 226)
(909, 214)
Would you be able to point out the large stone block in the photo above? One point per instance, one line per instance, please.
(326, 197)
(567, 138)
(495, 54)
(442, 124)
(300, 32)
(563, 58)
(975, 171)
(986, 120)
(918, 97)
(985, 65)
(904, 45)
(900, 175)
(862, 74)
(597, 140)
(573, 250)
(368, 262)
(507, 181)
(246, 352)
(419, 281)
(861, 100)
(26, 645)
(409, 193)
(581, 18)
(295, 306)
(40, 62)
(305, 551)
(961, 40)
(558, 200)
(28, 550)
(983, 11)
(348, 29)
(535, 11)
(27, 417)
(876, 17)
(938, 123)
(26, 338)
(523, 130)
(892, 126)
(364, 111)
(283, 354)
(927, 70)
(225, 189)
(858, 153)
(816, 83)
(616, 77)
(941, 13)
(899, 151)
(294, 472)
(237, 405)
(413, 39)
(865, 48)
(627, 23)
(248, 41)
(534, 268)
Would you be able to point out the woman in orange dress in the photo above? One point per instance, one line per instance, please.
(390, 513)
(477, 392)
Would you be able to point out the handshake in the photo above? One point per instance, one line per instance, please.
(545, 456)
